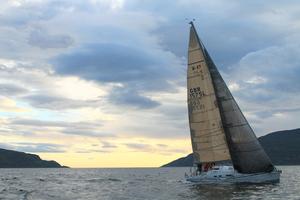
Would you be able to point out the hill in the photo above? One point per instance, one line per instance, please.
(281, 146)
(16, 159)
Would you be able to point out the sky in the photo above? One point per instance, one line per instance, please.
(102, 83)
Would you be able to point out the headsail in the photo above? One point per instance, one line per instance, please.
(207, 134)
(246, 153)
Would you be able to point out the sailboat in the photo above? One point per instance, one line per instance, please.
(224, 145)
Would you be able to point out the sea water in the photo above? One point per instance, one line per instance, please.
(134, 184)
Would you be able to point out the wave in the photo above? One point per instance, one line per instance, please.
(104, 180)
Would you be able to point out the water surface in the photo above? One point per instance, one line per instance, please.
(134, 184)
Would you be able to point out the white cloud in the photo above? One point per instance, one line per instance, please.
(256, 80)
(233, 87)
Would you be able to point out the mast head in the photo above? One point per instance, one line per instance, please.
(191, 22)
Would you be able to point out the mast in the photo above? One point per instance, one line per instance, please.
(246, 153)
(207, 134)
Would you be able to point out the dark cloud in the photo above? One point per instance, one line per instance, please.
(162, 145)
(41, 147)
(11, 89)
(86, 132)
(109, 62)
(34, 147)
(272, 111)
(84, 151)
(36, 123)
(125, 96)
(177, 112)
(227, 37)
(105, 147)
(268, 75)
(93, 151)
(108, 145)
(137, 69)
(140, 67)
(44, 40)
(29, 11)
(90, 129)
(58, 103)
(159, 148)
(138, 146)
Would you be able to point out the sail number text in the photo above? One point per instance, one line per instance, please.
(195, 94)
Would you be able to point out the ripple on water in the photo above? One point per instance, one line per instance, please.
(134, 184)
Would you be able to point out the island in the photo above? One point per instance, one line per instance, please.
(281, 146)
(16, 159)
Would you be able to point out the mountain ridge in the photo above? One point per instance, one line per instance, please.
(17, 159)
(281, 146)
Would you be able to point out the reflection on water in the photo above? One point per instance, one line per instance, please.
(233, 191)
(134, 184)
(287, 188)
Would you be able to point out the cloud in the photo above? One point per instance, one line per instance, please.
(90, 129)
(59, 103)
(7, 89)
(101, 65)
(34, 147)
(42, 39)
(41, 89)
(23, 13)
(124, 96)
(228, 38)
(105, 53)
(138, 146)
(269, 89)
(109, 62)
(162, 145)
(86, 132)
(119, 62)
(275, 111)
(159, 148)
(93, 151)
(9, 105)
(137, 69)
(269, 74)
(105, 147)
(108, 145)
(32, 122)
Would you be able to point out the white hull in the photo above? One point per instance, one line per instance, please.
(222, 176)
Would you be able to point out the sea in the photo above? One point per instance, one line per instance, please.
(135, 184)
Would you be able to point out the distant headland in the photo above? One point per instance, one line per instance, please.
(281, 146)
(16, 159)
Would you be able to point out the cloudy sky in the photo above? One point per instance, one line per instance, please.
(101, 83)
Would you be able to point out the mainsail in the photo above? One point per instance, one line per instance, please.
(207, 134)
(234, 138)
